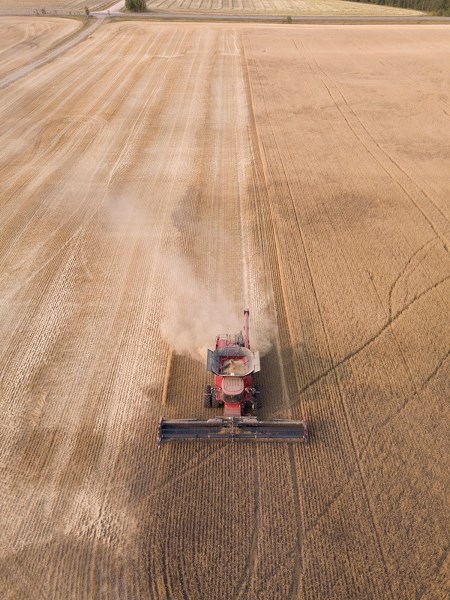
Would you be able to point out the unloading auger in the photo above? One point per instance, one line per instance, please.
(233, 365)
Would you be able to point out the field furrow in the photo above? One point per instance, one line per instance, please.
(157, 178)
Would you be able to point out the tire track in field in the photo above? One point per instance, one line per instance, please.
(406, 270)
(75, 217)
(391, 318)
(101, 102)
(66, 100)
(218, 150)
(34, 37)
(35, 178)
(332, 368)
(250, 571)
(360, 131)
(20, 72)
(129, 254)
(436, 370)
(395, 172)
(438, 234)
(270, 250)
(378, 334)
(41, 103)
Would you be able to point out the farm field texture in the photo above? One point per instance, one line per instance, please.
(283, 7)
(279, 7)
(155, 179)
(31, 6)
(25, 38)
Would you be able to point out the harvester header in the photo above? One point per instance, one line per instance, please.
(233, 365)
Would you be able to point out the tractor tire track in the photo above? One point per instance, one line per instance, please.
(270, 251)
(178, 125)
(398, 175)
(20, 72)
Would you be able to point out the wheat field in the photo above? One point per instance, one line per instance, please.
(156, 178)
(276, 7)
(279, 7)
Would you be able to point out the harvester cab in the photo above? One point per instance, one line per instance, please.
(233, 365)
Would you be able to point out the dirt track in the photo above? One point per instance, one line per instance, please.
(25, 38)
(300, 170)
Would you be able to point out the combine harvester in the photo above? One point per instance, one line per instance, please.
(233, 365)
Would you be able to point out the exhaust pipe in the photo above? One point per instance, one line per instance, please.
(246, 329)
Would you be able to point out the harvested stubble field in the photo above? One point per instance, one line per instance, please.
(280, 7)
(31, 6)
(23, 39)
(192, 168)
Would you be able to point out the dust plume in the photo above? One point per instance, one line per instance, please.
(196, 312)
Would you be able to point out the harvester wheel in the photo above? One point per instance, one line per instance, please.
(257, 397)
(214, 402)
(207, 397)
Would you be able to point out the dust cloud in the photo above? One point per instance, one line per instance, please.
(195, 312)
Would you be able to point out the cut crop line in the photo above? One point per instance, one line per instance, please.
(74, 237)
(71, 258)
(259, 152)
(250, 565)
(70, 77)
(270, 237)
(298, 560)
(167, 377)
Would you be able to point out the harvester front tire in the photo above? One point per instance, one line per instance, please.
(207, 397)
(257, 398)
(214, 402)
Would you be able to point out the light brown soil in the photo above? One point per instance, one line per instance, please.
(50, 6)
(300, 170)
(279, 7)
(25, 38)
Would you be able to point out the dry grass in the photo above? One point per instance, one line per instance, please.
(298, 169)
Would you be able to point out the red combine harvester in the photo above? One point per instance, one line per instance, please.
(233, 365)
